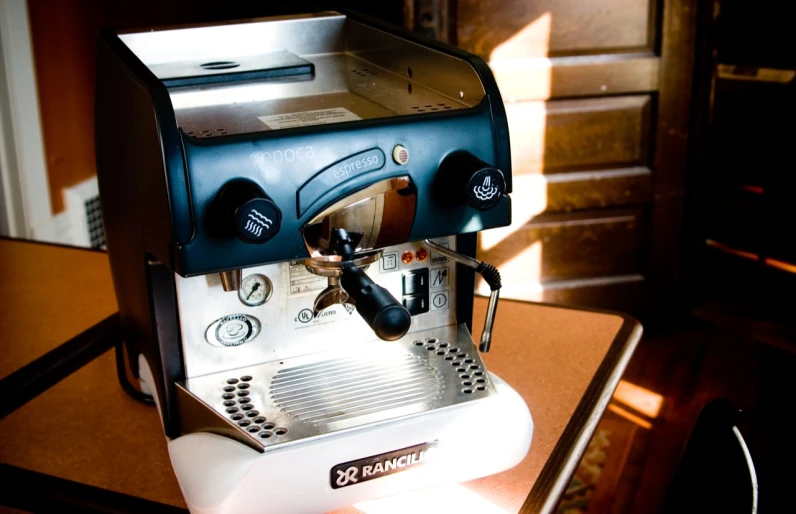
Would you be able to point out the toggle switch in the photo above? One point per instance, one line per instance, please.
(415, 282)
(417, 304)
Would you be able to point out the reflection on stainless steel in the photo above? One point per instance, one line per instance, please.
(489, 321)
(382, 213)
(333, 294)
(332, 265)
(378, 216)
(335, 391)
(357, 67)
(459, 83)
(230, 280)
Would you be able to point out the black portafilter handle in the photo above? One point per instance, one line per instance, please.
(381, 311)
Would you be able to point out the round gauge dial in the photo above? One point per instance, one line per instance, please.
(255, 290)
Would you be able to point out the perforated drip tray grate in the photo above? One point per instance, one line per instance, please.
(286, 401)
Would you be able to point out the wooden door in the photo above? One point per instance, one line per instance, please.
(597, 163)
(742, 269)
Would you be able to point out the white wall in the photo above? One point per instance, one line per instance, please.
(24, 188)
(12, 221)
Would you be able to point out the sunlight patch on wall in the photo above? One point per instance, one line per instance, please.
(521, 62)
(532, 41)
(528, 200)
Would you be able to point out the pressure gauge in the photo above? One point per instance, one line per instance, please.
(255, 290)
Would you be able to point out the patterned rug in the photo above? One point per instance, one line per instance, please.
(580, 489)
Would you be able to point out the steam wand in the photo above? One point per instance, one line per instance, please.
(491, 276)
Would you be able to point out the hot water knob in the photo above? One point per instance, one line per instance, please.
(248, 212)
(463, 178)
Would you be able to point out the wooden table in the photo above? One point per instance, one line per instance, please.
(85, 429)
(58, 313)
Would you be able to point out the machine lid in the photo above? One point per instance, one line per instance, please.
(279, 73)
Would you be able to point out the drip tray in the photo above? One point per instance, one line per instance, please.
(271, 404)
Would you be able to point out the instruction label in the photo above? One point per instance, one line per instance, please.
(303, 281)
(305, 118)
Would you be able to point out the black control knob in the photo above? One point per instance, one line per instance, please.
(464, 178)
(245, 208)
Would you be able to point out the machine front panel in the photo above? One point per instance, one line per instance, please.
(228, 330)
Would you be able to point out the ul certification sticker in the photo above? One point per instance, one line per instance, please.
(305, 319)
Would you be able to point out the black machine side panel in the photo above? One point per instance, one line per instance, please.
(132, 183)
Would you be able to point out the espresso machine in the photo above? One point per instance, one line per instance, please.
(291, 208)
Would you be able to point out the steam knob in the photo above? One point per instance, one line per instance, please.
(246, 207)
(464, 178)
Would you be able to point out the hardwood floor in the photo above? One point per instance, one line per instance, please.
(688, 366)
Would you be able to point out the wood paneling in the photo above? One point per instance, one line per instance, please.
(578, 80)
(553, 27)
(597, 189)
(567, 246)
(591, 90)
(542, 78)
(576, 134)
(573, 191)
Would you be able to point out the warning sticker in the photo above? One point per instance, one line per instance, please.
(305, 118)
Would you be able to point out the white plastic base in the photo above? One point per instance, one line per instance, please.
(219, 475)
(475, 439)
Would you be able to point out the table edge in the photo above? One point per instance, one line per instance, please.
(64, 246)
(33, 491)
(568, 451)
(29, 381)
